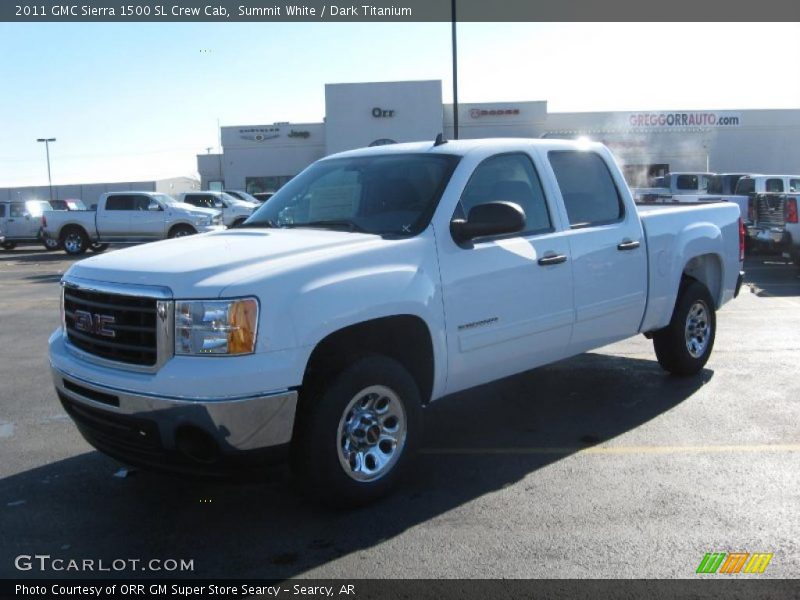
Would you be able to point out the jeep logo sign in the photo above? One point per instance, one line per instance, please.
(381, 113)
(96, 324)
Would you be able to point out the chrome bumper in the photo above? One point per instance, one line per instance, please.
(236, 424)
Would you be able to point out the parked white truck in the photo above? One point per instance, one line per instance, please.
(375, 282)
(675, 187)
(22, 222)
(234, 211)
(127, 217)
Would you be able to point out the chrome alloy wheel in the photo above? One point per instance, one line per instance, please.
(371, 433)
(698, 329)
(73, 242)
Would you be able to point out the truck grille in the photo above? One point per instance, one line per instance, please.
(111, 326)
(770, 210)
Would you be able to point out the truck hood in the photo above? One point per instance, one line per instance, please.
(202, 266)
(197, 211)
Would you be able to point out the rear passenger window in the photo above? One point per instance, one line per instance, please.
(509, 178)
(120, 202)
(590, 194)
(774, 185)
(17, 210)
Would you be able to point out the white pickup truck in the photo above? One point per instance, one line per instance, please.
(375, 282)
(127, 217)
(675, 187)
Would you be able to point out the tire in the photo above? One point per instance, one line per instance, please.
(180, 231)
(346, 461)
(684, 346)
(8, 245)
(51, 244)
(237, 223)
(98, 248)
(74, 241)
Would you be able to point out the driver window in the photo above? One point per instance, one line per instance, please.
(509, 178)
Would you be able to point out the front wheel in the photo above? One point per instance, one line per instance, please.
(355, 435)
(684, 346)
(181, 231)
(51, 244)
(98, 248)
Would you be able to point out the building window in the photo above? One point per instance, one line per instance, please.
(216, 186)
(255, 185)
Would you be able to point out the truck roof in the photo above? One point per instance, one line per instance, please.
(463, 147)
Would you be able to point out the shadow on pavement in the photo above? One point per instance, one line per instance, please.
(476, 443)
(770, 275)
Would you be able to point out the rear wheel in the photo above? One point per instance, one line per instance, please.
(75, 241)
(684, 346)
(180, 231)
(355, 435)
(8, 245)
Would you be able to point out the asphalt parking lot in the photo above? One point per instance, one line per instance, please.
(598, 466)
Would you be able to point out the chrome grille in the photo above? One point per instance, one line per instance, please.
(118, 325)
(770, 210)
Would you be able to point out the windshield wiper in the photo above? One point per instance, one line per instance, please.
(333, 223)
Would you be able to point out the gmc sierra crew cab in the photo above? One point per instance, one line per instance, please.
(373, 283)
(127, 217)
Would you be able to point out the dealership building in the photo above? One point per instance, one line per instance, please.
(262, 157)
(90, 192)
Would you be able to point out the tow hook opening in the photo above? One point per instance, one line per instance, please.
(196, 444)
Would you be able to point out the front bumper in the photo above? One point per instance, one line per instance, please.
(176, 434)
(210, 228)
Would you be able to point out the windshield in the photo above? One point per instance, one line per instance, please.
(244, 196)
(745, 186)
(75, 204)
(393, 194)
(36, 207)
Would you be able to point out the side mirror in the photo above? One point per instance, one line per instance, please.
(154, 206)
(493, 218)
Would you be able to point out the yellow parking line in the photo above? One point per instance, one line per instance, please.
(621, 449)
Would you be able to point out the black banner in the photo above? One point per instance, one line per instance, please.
(405, 589)
(395, 11)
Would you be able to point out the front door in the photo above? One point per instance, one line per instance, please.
(608, 250)
(146, 223)
(507, 300)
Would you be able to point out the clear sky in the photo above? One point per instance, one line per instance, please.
(139, 101)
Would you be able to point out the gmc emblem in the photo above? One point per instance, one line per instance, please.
(94, 323)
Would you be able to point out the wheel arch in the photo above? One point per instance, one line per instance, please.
(404, 337)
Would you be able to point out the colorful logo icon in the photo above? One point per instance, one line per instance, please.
(734, 562)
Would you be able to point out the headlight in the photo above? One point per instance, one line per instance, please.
(216, 326)
(217, 220)
(203, 221)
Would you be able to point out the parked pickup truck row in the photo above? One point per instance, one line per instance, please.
(127, 217)
(373, 283)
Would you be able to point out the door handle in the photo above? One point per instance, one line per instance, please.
(552, 259)
(628, 245)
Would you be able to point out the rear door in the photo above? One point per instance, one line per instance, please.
(508, 299)
(608, 251)
(114, 219)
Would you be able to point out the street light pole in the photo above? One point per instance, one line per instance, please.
(455, 71)
(47, 149)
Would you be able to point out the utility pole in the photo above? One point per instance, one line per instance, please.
(455, 70)
(47, 149)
